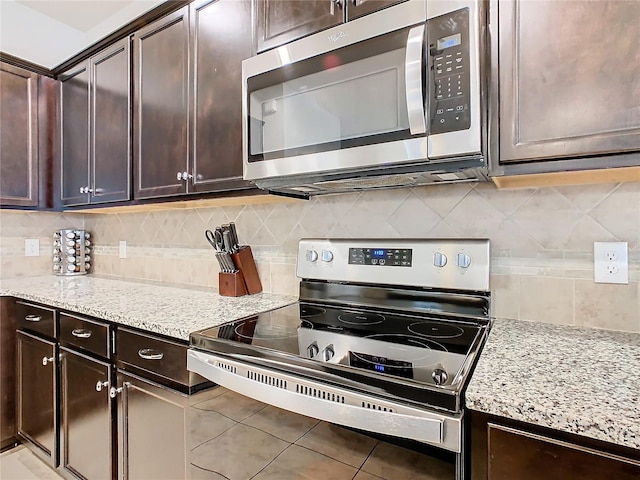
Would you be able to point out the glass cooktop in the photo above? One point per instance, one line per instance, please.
(426, 349)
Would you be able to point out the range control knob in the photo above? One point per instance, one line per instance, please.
(439, 259)
(328, 353)
(312, 350)
(312, 256)
(439, 375)
(463, 260)
(327, 255)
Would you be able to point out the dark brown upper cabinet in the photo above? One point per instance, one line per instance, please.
(161, 106)
(280, 21)
(187, 103)
(18, 136)
(95, 108)
(220, 40)
(565, 93)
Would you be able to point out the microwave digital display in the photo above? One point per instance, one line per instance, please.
(450, 41)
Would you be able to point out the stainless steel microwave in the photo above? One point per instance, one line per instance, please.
(390, 99)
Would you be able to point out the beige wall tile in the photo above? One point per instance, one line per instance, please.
(283, 279)
(615, 307)
(546, 299)
(505, 295)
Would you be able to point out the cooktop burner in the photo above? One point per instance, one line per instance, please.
(308, 311)
(361, 318)
(403, 339)
(435, 330)
(251, 329)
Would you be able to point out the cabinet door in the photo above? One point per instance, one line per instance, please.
(37, 417)
(75, 118)
(220, 42)
(161, 105)
(517, 454)
(358, 8)
(18, 136)
(568, 79)
(151, 430)
(7, 372)
(111, 126)
(86, 421)
(279, 22)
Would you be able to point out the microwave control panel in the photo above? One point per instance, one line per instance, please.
(448, 48)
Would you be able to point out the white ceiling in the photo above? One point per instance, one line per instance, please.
(49, 32)
(78, 14)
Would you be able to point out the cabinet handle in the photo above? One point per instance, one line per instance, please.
(46, 361)
(179, 175)
(113, 391)
(334, 4)
(186, 176)
(33, 318)
(100, 385)
(81, 333)
(150, 354)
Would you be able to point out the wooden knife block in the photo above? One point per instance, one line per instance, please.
(246, 280)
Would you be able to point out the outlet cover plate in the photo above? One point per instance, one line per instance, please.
(31, 247)
(122, 249)
(610, 262)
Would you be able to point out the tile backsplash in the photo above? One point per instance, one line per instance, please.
(541, 241)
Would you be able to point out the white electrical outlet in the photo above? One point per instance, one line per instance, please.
(610, 262)
(122, 249)
(31, 247)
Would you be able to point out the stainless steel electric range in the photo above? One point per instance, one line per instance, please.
(383, 338)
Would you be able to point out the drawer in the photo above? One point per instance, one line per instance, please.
(153, 354)
(88, 335)
(36, 319)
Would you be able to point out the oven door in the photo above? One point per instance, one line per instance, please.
(329, 403)
(339, 100)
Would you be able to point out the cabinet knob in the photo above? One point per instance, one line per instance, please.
(100, 385)
(179, 175)
(186, 176)
(113, 391)
(82, 190)
(46, 361)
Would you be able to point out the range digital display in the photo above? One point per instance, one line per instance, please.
(386, 257)
(398, 368)
(450, 41)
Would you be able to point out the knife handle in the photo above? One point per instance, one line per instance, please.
(226, 239)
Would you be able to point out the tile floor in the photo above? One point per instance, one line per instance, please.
(238, 438)
(233, 437)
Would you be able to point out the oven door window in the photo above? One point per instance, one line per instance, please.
(353, 96)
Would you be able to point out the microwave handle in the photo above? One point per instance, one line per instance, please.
(413, 80)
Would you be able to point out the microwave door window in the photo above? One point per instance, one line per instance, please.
(350, 104)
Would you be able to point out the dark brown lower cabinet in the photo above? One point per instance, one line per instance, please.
(37, 378)
(151, 430)
(514, 452)
(7, 373)
(86, 433)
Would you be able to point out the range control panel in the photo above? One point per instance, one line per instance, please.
(383, 257)
(448, 43)
(461, 264)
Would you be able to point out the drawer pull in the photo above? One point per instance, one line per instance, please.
(81, 333)
(33, 318)
(47, 360)
(150, 354)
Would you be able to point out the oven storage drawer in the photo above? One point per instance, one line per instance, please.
(84, 334)
(152, 354)
(36, 319)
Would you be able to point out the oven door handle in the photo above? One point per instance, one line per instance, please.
(413, 80)
(330, 404)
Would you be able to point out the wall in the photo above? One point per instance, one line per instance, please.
(16, 225)
(541, 241)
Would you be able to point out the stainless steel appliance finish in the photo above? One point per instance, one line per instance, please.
(384, 338)
(390, 99)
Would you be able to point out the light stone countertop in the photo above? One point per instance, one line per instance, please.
(171, 311)
(574, 379)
